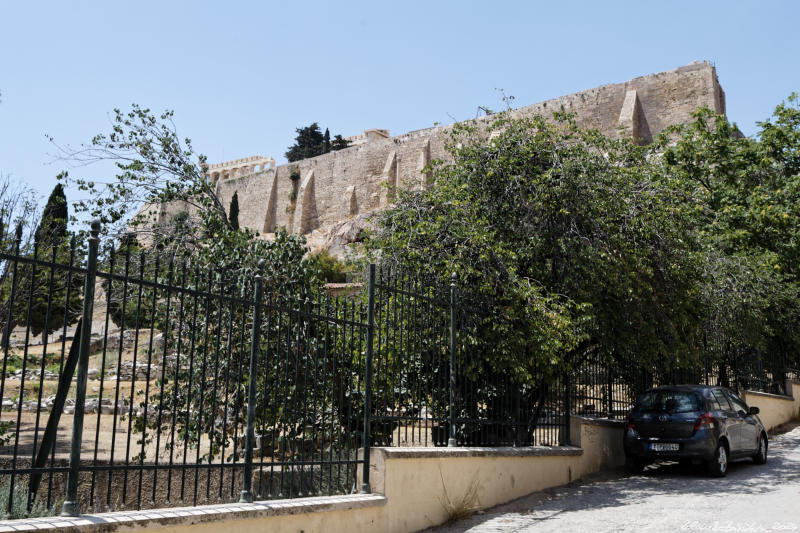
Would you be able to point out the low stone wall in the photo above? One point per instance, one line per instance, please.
(413, 488)
(424, 487)
(776, 409)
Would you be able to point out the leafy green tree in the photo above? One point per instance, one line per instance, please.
(570, 234)
(155, 168)
(47, 298)
(339, 143)
(233, 211)
(309, 142)
(743, 196)
(199, 250)
(18, 212)
(122, 298)
(331, 269)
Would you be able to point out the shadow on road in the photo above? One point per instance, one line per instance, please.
(616, 488)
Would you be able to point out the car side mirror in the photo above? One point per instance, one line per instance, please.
(754, 410)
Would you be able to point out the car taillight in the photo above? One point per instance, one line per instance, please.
(704, 420)
(630, 423)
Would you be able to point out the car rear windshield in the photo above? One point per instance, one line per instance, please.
(667, 401)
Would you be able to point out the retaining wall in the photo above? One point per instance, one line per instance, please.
(776, 409)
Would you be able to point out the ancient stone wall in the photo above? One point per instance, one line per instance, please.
(339, 185)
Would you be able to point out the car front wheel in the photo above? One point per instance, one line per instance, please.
(761, 453)
(718, 466)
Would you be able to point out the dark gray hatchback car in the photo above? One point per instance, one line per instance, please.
(693, 423)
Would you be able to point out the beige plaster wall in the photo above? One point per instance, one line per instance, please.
(430, 488)
(433, 486)
(601, 442)
(775, 410)
(370, 519)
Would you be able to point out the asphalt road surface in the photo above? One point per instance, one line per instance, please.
(666, 497)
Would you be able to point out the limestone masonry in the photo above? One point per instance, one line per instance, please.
(330, 200)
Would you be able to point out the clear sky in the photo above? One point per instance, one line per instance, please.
(241, 76)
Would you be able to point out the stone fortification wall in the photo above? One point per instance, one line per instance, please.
(340, 185)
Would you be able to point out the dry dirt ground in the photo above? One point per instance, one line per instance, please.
(665, 498)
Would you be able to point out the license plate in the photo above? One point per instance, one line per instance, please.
(664, 447)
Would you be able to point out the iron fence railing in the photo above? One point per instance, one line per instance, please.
(159, 383)
(603, 387)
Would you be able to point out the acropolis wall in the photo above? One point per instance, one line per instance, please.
(340, 185)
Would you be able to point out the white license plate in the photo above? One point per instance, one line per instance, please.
(664, 447)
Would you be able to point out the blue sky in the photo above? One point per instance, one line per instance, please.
(241, 76)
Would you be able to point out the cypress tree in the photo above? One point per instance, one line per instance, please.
(51, 240)
(326, 142)
(53, 226)
(233, 211)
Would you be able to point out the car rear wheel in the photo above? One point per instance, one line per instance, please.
(634, 466)
(760, 456)
(718, 466)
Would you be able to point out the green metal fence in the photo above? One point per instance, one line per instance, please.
(158, 383)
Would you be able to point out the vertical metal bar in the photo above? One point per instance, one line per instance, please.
(176, 378)
(45, 335)
(247, 494)
(70, 506)
(207, 310)
(118, 411)
(609, 370)
(365, 488)
(226, 396)
(517, 415)
(567, 408)
(165, 337)
(452, 440)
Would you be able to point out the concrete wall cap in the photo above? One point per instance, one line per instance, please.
(474, 451)
(770, 395)
(607, 422)
(183, 516)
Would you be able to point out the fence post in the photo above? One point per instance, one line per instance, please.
(567, 409)
(365, 488)
(517, 417)
(70, 506)
(610, 390)
(452, 440)
(247, 494)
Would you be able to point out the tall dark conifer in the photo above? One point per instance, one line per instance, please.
(47, 297)
(233, 211)
(53, 225)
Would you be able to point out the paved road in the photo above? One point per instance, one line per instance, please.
(666, 498)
